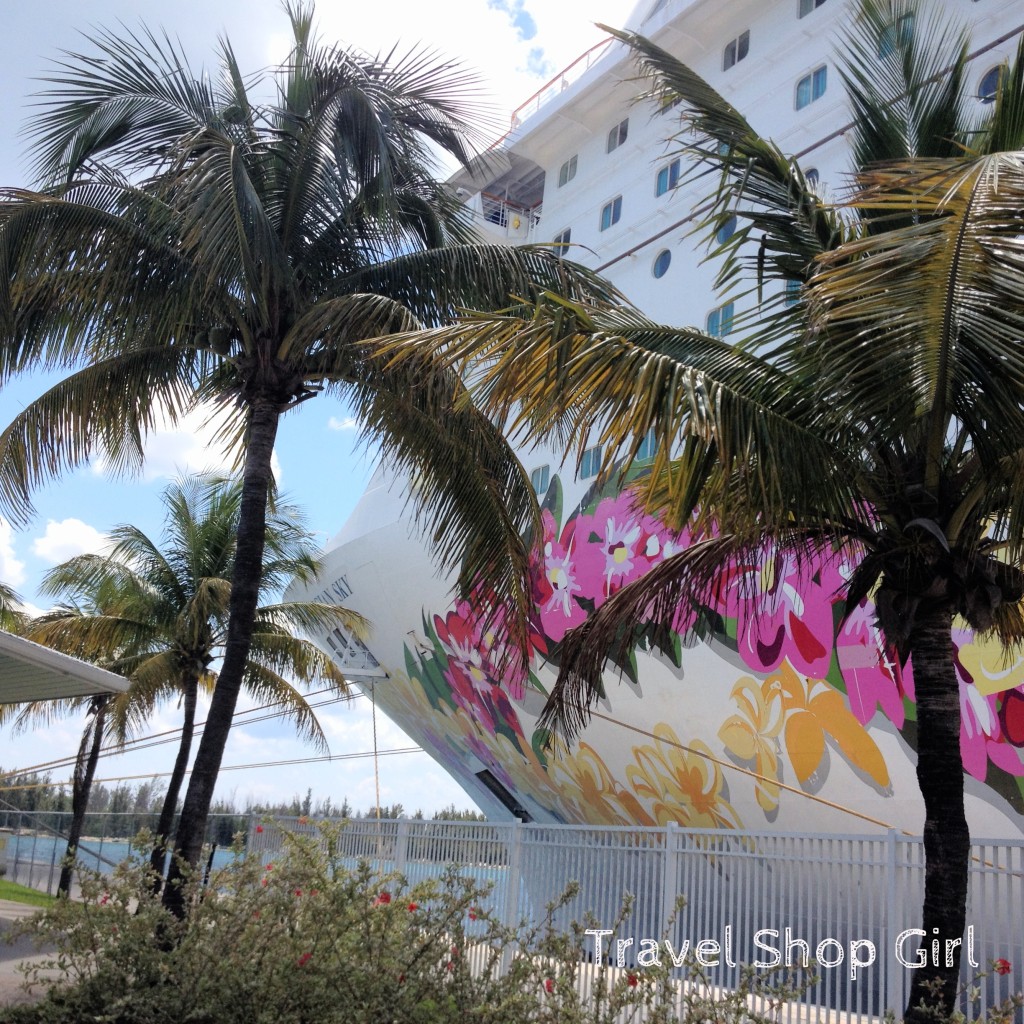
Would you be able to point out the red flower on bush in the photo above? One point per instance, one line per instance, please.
(472, 913)
(1002, 966)
(413, 906)
(382, 899)
(269, 867)
(549, 985)
(632, 980)
(259, 828)
(298, 892)
(105, 899)
(304, 959)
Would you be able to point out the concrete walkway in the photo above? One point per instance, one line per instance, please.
(14, 953)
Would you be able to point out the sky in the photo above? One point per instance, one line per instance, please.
(516, 46)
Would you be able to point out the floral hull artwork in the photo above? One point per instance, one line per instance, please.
(768, 709)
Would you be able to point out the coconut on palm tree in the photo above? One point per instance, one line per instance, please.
(156, 613)
(212, 239)
(877, 421)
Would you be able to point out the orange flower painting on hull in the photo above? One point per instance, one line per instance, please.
(584, 781)
(681, 782)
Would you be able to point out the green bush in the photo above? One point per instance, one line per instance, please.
(305, 940)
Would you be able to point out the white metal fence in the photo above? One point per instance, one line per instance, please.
(841, 896)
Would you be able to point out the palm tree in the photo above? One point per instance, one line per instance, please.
(157, 614)
(877, 421)
(11, 615)
(194, 242)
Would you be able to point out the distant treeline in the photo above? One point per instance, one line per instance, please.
(123, 810)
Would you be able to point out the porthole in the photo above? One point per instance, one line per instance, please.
(661, 263)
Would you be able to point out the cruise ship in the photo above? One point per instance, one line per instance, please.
(810, 729)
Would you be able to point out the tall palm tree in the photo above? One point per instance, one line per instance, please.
(877, 421)
(157, 614)
(195, 241)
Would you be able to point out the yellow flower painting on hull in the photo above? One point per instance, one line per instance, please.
(803, 717)
(681, 782)
(585, 784)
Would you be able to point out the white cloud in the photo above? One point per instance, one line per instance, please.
(189, 446)
(68, 538)
(12, 569)
(515, 46)
(348, 423)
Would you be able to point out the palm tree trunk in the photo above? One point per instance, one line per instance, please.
(190, 688)
(85, 771)
(947, 842)
(245, 590)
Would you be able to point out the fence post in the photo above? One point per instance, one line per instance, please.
(402, 846)
(892, 989)
(669, 877)
(510, 912)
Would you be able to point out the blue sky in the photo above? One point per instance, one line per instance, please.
(320, 468)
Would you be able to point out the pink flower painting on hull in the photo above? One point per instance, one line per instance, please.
(981, 733)
(556, 585)
(613, 554)
(780, 611)
(874, 678)
(618, 544)
(479, 666)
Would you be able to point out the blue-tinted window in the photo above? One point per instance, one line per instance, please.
(610, 213)
(661, 263)
(617, 136)
(726, 231)
(561, 241)
(806, 6)
(735, 50)
(989, 85)
(719, 322)
(668, 178)
(647, 446)
(811, 87)
(812, 177)
(539, 478)
(590, 465)
(792, 292)
(567, 171)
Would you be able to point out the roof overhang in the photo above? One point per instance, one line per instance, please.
(30, 672)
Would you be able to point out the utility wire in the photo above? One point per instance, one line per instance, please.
(152, 740)
(241, 767)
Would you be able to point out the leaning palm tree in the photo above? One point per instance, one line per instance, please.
(157, 613)
(196, 242)
(878, 421)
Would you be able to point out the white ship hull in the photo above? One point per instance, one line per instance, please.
(777, 721)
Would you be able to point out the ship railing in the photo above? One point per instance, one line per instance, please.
(499, 216)
(557, 85)
(843, 896)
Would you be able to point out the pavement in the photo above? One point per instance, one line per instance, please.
(13, 953)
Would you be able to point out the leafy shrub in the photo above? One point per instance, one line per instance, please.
(305, 939)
